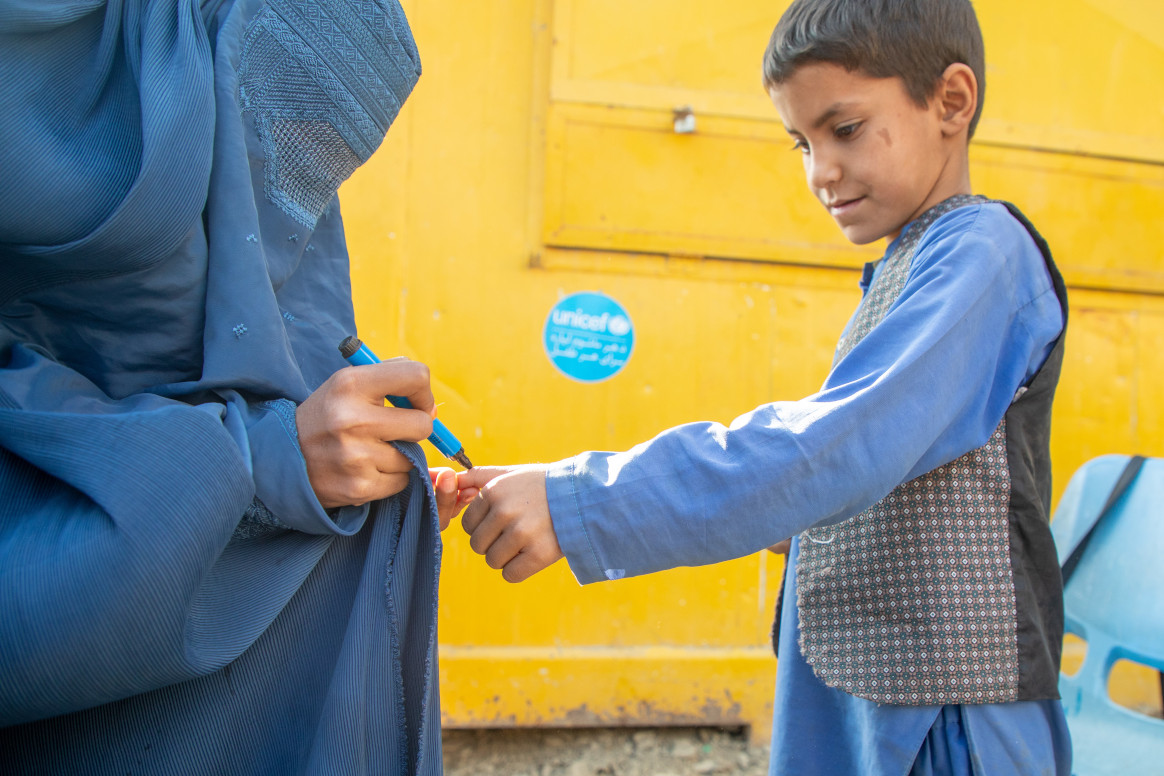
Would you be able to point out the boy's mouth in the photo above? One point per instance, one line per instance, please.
(839, 207)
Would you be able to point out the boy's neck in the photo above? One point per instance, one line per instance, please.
(954, 181)
(892, 239)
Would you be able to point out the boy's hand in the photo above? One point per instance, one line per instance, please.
(449, 500)
(509, 520)
(344, 427)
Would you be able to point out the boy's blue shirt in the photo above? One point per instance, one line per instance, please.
(975, 321)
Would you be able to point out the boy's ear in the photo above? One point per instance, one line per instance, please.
(957, 97)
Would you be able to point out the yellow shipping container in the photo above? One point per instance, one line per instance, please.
(561, 146)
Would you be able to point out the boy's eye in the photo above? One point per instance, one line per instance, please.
(798, 144)
(846, 130)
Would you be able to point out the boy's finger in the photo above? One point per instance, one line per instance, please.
(487, 530)
(505, 548)
(473, 516)
(480, 476)
(475, 480)
(524, 566)
(444, 483)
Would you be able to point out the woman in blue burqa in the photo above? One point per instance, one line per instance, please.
(212, 562)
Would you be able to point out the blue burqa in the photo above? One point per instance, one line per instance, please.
(173, 281)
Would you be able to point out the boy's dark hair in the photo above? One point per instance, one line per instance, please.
(914, 40)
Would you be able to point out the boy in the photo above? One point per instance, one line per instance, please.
(927, 624)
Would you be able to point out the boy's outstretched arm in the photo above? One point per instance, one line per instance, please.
(509, 520)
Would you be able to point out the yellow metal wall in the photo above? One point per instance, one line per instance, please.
(537, 158)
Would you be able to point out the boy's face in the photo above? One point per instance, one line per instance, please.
(873, 157)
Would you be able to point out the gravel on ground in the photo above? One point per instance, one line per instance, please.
(602, 751)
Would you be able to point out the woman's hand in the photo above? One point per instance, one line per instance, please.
(344, 428)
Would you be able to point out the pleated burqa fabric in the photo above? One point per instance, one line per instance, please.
(173, 281)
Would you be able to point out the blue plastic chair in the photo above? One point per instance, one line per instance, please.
(1115, 602)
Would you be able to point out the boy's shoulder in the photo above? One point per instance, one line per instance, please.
(988, 216)
(985, 244)
(990, 224)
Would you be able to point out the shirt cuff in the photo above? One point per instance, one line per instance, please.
(281, 481)
(573, 538)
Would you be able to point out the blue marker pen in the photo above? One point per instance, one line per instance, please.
(358, 354)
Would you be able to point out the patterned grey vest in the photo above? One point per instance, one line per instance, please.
(948, 589)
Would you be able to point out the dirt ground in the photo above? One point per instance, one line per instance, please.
(605, 751)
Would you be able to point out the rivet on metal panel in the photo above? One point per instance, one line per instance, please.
(684, 119)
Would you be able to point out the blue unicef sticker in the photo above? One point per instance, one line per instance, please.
(589, 337)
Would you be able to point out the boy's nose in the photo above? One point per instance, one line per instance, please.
(822, 169)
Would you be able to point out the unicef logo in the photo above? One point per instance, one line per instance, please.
(588, 337)
(619, 326)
